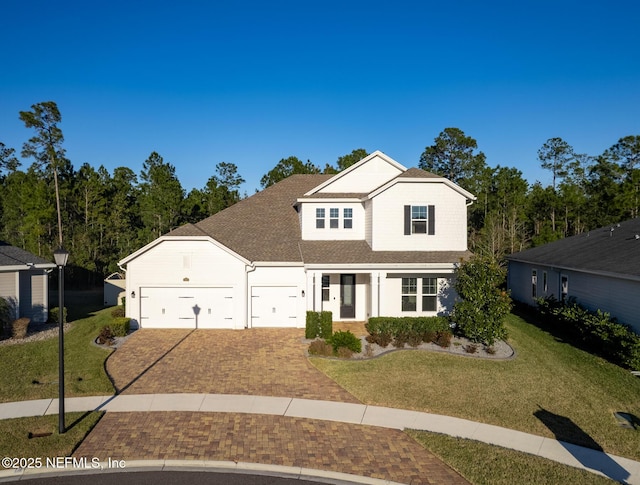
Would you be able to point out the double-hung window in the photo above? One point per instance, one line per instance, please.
(534, 283)
(347, 218)
(429, 294)
(319, 218)
(334, 215)
(418, 219)
(325, 287)
(409, 294)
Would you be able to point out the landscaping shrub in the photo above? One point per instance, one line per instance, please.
(344, 353)
(443, 339)
(54, 315)
(320, 347)
(19, 327)
(117, 312)
(401, 330)
(345, 339)
(483, 307)
(120, 326)
(318, 325)
(470, 348)
(106, 336)
(5, 315)
(595, 331)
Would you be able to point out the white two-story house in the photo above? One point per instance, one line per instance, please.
(376, 239)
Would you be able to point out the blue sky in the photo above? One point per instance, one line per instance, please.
(202, 82)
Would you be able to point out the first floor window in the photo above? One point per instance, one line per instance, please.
(409, 294)
(429, 294)
(325, 287)
(534, 283)
(319, 218)
(564, 287)
(334, 215)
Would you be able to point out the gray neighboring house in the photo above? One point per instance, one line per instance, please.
(24, 282)
(599, 268)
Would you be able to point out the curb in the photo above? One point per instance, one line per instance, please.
(290, 472)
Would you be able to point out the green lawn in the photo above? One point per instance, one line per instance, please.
(484, 464)
(546, 376)
(30, 370)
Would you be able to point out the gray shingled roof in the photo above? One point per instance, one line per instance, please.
(13, 256)
(610, 249)
(418, 173)
(266, 227)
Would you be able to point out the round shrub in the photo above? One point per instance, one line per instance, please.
(320, 347)
(345, 339)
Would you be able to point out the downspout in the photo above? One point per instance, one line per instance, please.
(247, 269)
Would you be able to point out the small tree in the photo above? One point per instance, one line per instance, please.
(481, 312)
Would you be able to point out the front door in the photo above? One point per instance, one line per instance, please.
(347, 296)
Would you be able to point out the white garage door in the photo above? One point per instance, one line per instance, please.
(186, 307)
(274, 306)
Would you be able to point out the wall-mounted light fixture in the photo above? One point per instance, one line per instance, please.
(302, 293)
(133, 294)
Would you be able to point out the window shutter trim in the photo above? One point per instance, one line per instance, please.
(407, 220)
(431, 220)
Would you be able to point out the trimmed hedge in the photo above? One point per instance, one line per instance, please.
(54, 315)
(120, 326)
(595, 331)
(401, 330)
(319, 325)
(347, 340)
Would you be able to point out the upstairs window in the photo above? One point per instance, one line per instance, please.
(319, 218)
(334, 214)
(419, 219)
(347, 218)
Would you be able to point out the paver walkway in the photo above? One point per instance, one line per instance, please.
(262, 362)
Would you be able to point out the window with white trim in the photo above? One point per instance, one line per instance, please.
(326, 281)
(564, 287)
(418, 219)
(319, 218)
(334, 218)
(534, 283)
(347, 218)
(409, 294)
(429, 294)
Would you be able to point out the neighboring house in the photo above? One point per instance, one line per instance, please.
(24, 282)
(600, 269)
(376, 239)
(114, 289)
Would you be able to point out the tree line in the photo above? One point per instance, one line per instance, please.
(101, 217)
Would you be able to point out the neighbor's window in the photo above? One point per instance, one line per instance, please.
(319, 218)
(534, 283)
(564, 287)
(325, 287)
(429, 294)
(418, 219)
(409, 294)
(334, 214)
(544, 282)
(347, 218)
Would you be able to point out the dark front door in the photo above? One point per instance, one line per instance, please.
(347, 296)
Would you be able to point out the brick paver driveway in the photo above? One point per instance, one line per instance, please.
(263, 362)
(267, 362)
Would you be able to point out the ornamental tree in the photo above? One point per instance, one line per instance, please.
(483, 305)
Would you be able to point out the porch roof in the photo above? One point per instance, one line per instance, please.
(359, 252)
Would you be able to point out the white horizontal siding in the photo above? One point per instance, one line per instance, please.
(388, 218)
(308, 218)
(365, 178)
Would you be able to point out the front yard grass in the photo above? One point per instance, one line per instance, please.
(484, 464)
(15, 441)
(546, 376)
(30, 370)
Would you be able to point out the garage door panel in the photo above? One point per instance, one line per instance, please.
(274, 306)
(186, 307)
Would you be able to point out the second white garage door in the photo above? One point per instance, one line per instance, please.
(274, 306)
(186, 307)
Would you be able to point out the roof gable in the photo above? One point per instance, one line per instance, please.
(361, 177)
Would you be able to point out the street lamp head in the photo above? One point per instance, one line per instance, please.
(61, 256)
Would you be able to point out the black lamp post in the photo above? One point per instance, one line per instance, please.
(61, 256)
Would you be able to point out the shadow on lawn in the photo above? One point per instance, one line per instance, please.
(581, 446)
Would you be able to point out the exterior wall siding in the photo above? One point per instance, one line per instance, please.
(9, 289)
(365, 178)
(184, 264)
(388, 221)
(308, 218)
(615, 296)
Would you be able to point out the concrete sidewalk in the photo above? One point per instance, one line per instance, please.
(617, 468)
